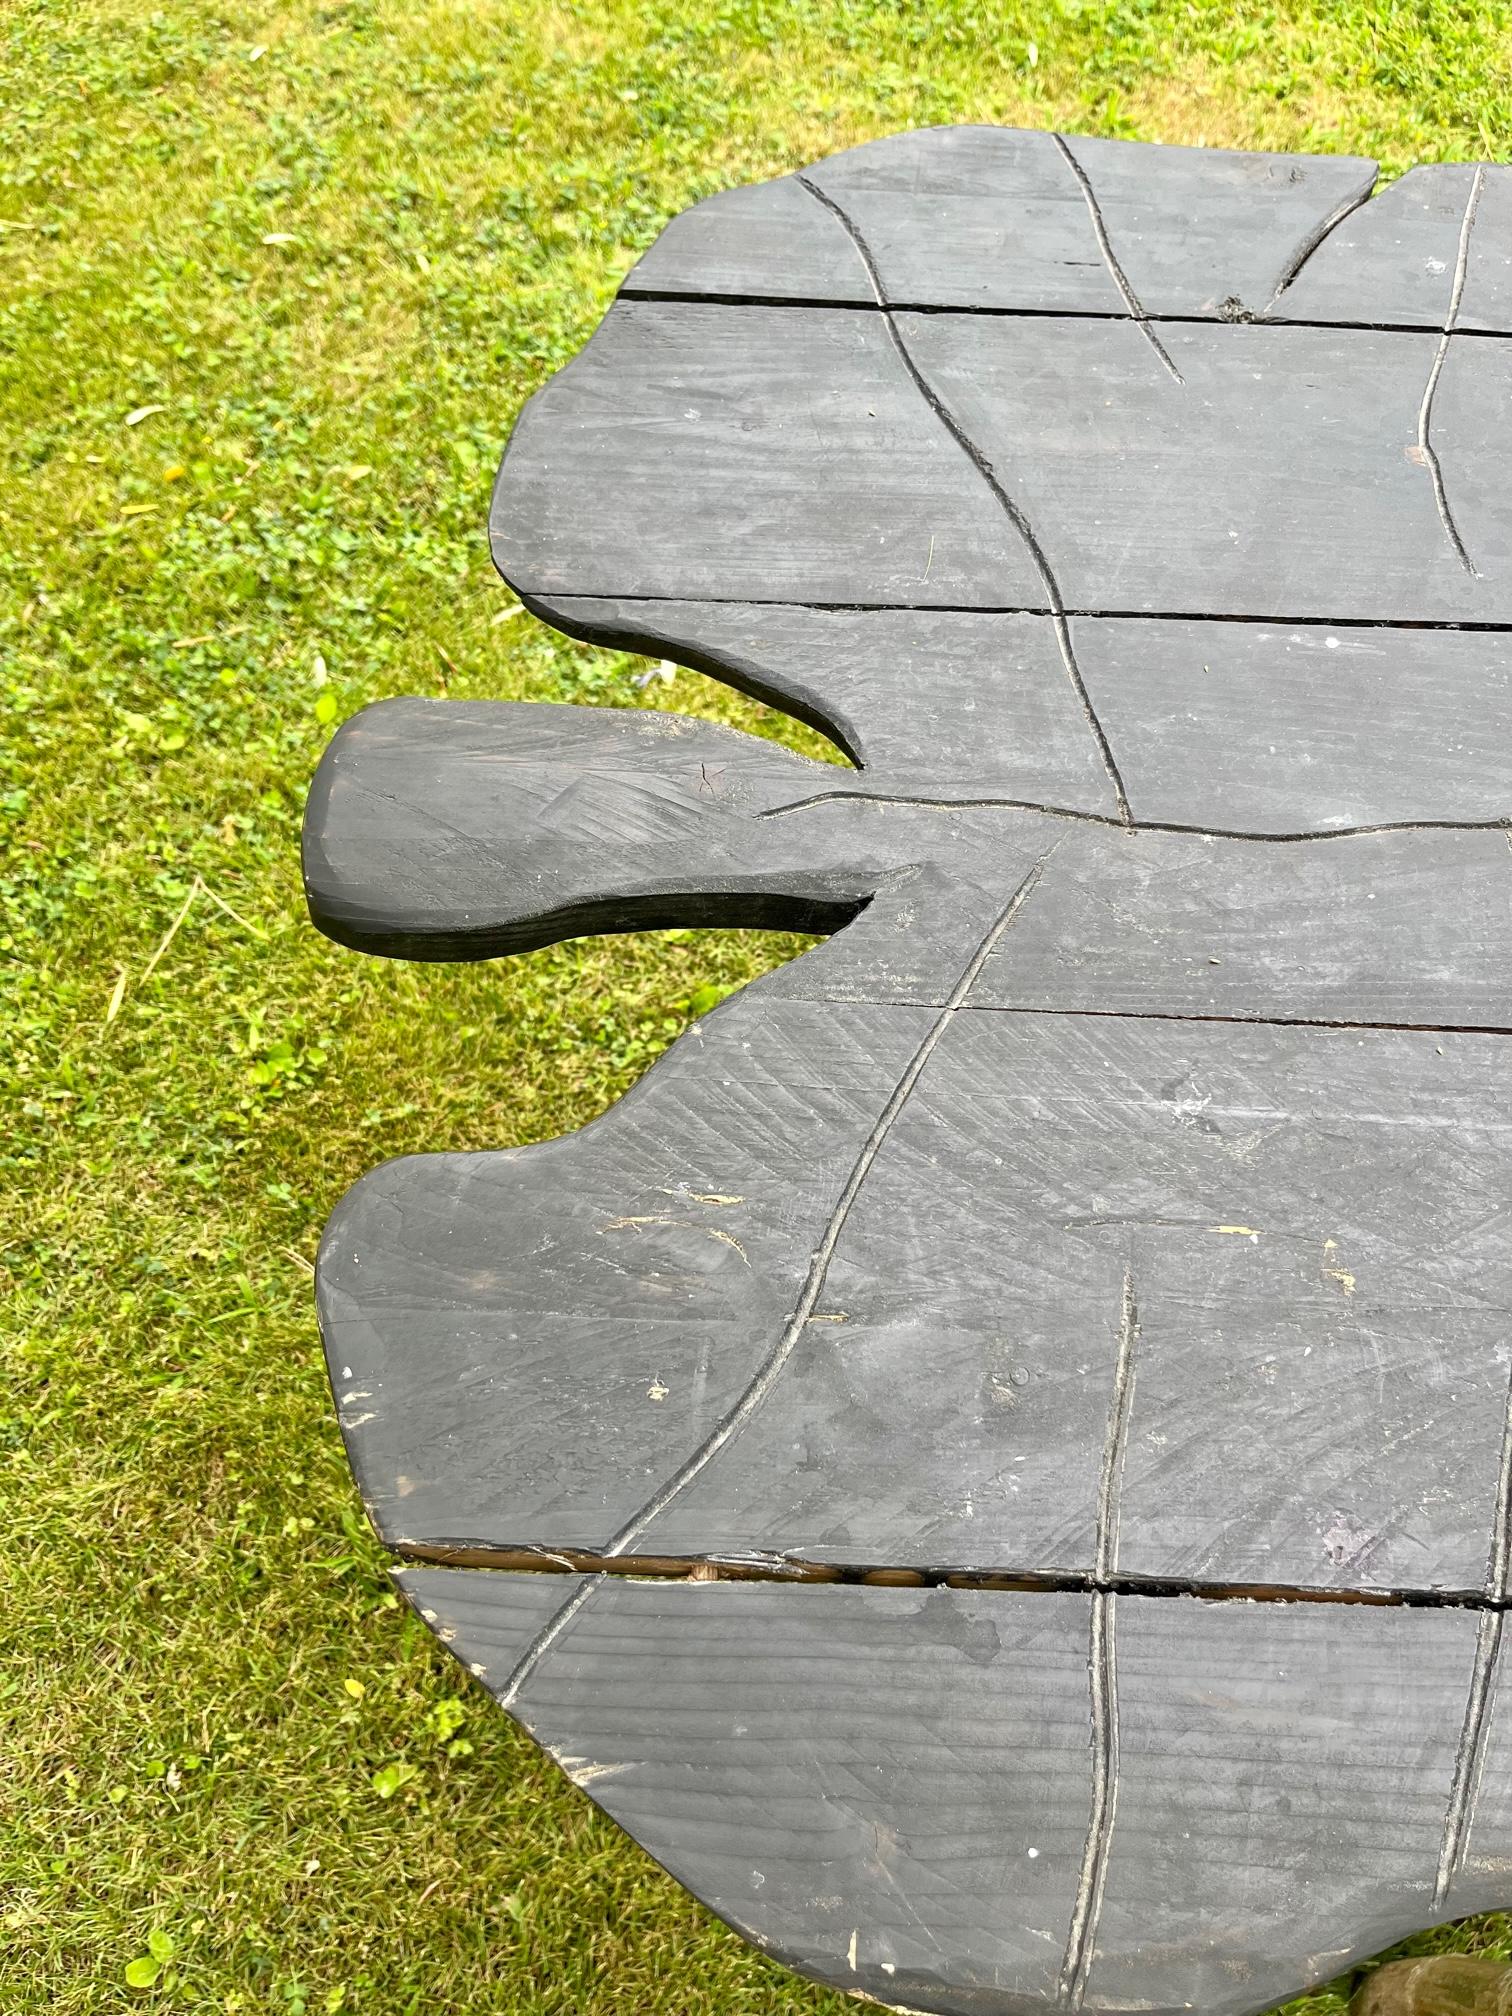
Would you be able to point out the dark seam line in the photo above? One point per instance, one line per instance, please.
(1320, 236)
(1240, 1021)
(490, 1558)
(1158, 318)
(989, 476)
(547, 597)
(1102, 1669)
(1110, 257)
(1470, 1756)
(1135, 825)
(736, 1416)
(1173, 1015)
(1425, 412)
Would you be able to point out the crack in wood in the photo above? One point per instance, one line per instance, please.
(1118, 1431)
(1470, 1757)
(1131, 825)
(490, 1557)
(1158, 319)
(1102, 1666)
(736, 1417)
(1426, 449)
(1081, 1939)
(544, 1639)
(1110, 258)
(767, 1374)
(989, 476)
(544, 605)
(1316, 239)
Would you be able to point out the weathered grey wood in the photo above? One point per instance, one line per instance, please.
(1284, 1774)
(904, 1791)
(1275, 480)
(1432, 250)
(798, 463)
(1115, 1206)
(449, 830)
(423, 814)
(933, 703)
(1296, 729)
(860, 1784)
(985, 217)
(1327, 1203)
(1279, 476)
(479, 1378)
(1247, 727)
(1394, 260)
(978, 218)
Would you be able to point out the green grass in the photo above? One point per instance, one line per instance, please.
(330, 249)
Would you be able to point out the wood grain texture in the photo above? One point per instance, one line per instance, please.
(1219, 725)
(1280, 475)
(1108, 1223)
(796, 462)
(898, 1789)
(985, 217)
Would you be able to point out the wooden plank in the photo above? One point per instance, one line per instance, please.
(456, 829)
(1260, 729)
(1201, 231)
(780, 456)
(771, 240)
(1394, 259)
(887, 1790)
(1234, 727)
(450, 830)
(1281, 477)
(1487, 300)
(736, 453)
(1380, 928)
(918, 1796)
(930, 702)
(1430, 251)
(984, 217)
(1283, 1773)
(1475, 1864)
(524, 1345)
(1263, 1263)
(1305, 1220)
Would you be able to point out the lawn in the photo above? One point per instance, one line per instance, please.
(273, 283)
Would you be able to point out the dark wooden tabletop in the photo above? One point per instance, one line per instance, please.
(1016, 1402)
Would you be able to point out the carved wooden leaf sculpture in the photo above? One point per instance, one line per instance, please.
(1078, 1295)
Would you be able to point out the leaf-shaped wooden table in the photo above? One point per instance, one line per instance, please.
(1021, 1392)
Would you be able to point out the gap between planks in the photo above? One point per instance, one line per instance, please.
(672, 297)
(489, 1558)
(1120, 825)
(1178, 1015)
(544, 604)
